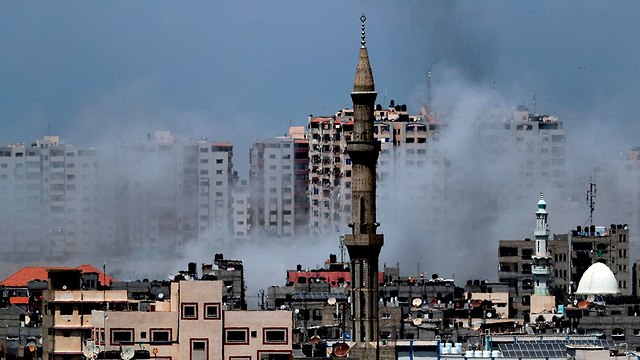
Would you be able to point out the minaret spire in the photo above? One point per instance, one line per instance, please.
(364, 76)
(541, 269)
(364, 243)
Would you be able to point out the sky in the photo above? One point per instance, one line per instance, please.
(100, 72)
(97, 73)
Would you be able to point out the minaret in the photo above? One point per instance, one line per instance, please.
(363, 243)
(541, 269)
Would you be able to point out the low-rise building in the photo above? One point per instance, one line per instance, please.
(190, 321)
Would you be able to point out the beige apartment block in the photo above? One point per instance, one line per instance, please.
(189, 324)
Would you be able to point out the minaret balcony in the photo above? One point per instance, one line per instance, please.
(541, 270)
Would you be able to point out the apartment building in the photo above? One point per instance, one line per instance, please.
(529, 150)
(189, 322)
(240, 211)
(173, 192)
(50, 207)
(278, 176)
(403, 159)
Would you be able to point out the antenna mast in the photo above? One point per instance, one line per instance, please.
(591, 196)
(535, 106)
(429, 88)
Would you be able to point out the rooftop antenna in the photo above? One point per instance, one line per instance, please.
(429, 88)
(591, 196)
(535, 107)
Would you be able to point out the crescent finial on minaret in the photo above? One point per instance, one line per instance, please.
(363, 42)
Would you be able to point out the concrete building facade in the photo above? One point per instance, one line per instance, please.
(278, 177)
(173, 193)
(190, 322)
(50, 205)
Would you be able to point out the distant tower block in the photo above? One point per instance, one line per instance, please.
(541, 269)
(363, 243)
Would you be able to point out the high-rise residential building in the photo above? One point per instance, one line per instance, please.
(48, 191)
(240, 200)
(278, 176)
(172, 193)
(529, 150)
(404, 153)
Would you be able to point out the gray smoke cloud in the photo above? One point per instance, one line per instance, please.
(102, 74)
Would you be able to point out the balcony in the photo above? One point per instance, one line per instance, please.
(540, 270)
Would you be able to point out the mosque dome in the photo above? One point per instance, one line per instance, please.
(597, 280)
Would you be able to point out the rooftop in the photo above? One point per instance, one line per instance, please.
(21, 277)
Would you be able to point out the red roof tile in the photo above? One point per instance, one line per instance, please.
(21, 277)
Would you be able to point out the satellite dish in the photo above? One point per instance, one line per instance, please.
(416, 302)
(417, 321)
(90, 351)
(27, 319)
(127, 353)
(583, 304)
(40, 340)
(64, 287)
(340, 349)
(296, 311)
(283, 307)
(331, 301)
(489, 314)
(160, 296)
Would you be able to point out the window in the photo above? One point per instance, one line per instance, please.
(275, 336)
(271, 355)
(121, 336)
(199, 349)
(212, 311)
(160, 335)
(190, 311)
(236, 336)
(66, 309)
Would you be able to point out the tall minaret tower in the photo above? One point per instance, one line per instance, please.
(541, 269)
(363, 243)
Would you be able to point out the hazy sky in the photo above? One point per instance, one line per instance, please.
(238, 70)
(98, 72)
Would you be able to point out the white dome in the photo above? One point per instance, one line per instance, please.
(598, 280)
